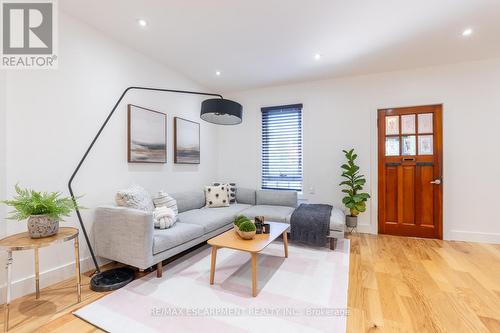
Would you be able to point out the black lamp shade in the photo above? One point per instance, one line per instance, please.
(221, 111)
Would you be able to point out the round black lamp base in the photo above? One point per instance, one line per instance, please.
(112, 279)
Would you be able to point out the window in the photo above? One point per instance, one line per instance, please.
(282, 147)
(415, 137)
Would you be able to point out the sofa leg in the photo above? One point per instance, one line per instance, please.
(159, 270)
(333, 243)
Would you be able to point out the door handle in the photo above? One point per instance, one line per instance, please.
(436, 181)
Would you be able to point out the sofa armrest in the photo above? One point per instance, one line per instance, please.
(337, 223)
(124, 235)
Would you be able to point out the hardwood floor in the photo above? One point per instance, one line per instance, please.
(396, 284)
(401, 284)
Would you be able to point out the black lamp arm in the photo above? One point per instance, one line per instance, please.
(78, 214)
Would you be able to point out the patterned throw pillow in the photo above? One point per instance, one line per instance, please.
(163, 199)
(135, 197)
(216, 196)
(231, 191)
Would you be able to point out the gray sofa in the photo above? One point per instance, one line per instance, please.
(128, 236)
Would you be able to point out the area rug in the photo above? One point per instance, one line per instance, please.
(307, 292)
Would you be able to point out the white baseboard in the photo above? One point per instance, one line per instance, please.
(365, 229)
(49, 277)
(472, 236)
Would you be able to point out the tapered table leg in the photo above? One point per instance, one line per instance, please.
(285, 243)
(254, 274)
(77, 268)
(212, 264)
(37, 274)
(8, 268)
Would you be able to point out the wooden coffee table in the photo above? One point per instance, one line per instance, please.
(231, 240)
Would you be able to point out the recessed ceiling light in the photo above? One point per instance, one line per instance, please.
(467, 32)
(142, 23)
(217, 73)
(317, 56)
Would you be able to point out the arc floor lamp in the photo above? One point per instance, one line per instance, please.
(215, 110)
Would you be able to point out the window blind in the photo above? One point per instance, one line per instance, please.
(282, 147)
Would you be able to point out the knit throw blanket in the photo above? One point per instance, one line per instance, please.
(310, 224)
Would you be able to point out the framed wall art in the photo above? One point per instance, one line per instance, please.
(147, 135)
(186, 141)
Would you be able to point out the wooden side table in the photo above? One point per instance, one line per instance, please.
(22, 241)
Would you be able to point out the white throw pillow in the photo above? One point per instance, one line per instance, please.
(163, 217)
(231, 191)
(163, 199)
(135, 197)
(216, 196)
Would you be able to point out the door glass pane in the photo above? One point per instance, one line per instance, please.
(392, 146)
(409, 145)
(392, 125)
(408, 124)
(425, 123)
(425, 145)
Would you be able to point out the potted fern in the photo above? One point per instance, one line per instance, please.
(355, 200)
(42, 209)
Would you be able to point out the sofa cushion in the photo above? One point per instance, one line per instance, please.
(212, 218)
(216, 196)
(178, 234)
(270, 213)
(245, 196)
(276, 198)
(189, 200)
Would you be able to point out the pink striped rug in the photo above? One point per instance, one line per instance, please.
(307, 292)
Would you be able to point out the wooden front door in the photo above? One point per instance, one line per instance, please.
(410, 155)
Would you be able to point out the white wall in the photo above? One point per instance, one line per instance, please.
(52, 116)
(341, 113)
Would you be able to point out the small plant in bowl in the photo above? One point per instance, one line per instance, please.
(247, 230)
(239, 219)
(42, 209)
(244, 227)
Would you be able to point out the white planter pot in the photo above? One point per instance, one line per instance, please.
(351, 221)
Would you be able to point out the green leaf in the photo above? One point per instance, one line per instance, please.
(364, 195)
(346, 200)
(361, 206)
(360, 181)
(350, 205)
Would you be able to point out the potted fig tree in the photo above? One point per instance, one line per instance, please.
(43, 210)
(355, 200)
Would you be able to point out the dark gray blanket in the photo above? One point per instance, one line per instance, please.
(310, 224)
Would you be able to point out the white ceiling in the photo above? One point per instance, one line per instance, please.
(258, 43)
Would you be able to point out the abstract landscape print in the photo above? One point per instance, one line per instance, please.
(147, 135)
(186, 141)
